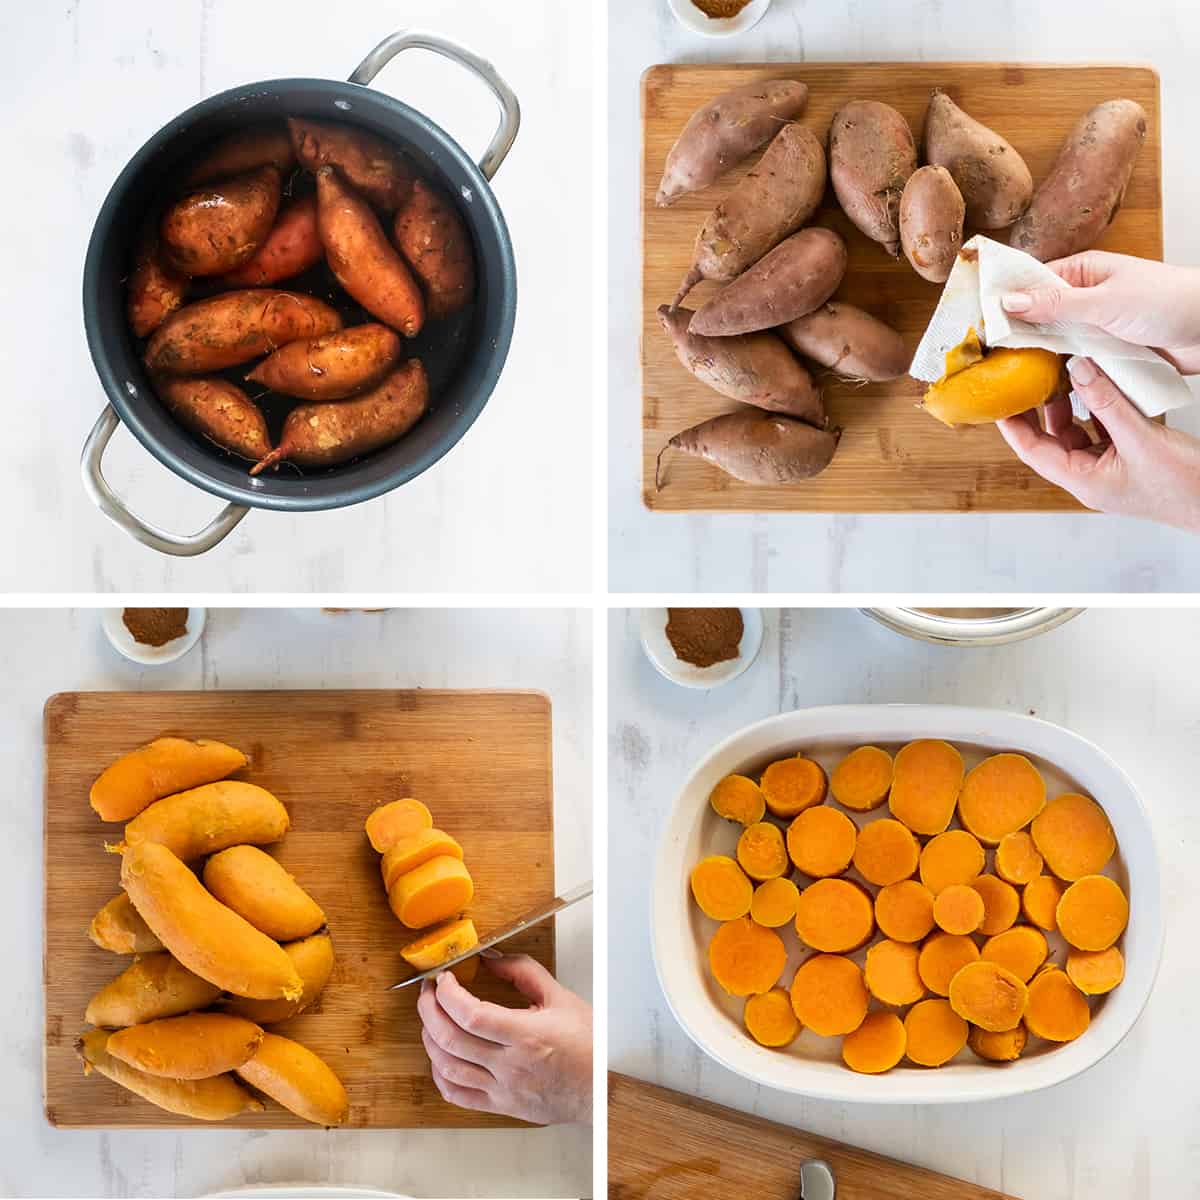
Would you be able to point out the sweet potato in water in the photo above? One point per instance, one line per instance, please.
(755, 368)
(871, 156)
(152, 987)
(397, 819)
(242, 151)
(291, 248)
(221, 226)
(117, 927)
(324, 435)
(219, 411)
(931, 222)
(193, 1046)
(313, 959)
(431, 893)
(332, 367)
(155, 289)
(757, 447)
(778, 196)
(257, 887)
(434, 241)
(795, 278)
(746, 959)
(724, 131)
(368, 163)
(292, 1075)
(850, 342)
(1002, 384)
(1078, 200)
(234, 327)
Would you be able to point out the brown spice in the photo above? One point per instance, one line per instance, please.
(704, 636)
(155, 626)
(720, 10)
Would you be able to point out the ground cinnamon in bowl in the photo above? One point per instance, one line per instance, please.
(720, 10)
(705, 636)
(155, 626)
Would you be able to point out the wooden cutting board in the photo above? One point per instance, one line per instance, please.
(480, 761)
(892, 457)
(663, 1145)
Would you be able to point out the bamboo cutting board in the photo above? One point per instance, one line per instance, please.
(892, 457)
(663, 1145)
(479, 760)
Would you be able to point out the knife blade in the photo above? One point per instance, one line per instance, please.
(529, 919)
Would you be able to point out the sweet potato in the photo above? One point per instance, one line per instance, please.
(397, 819)
(150, 988)
(934, 1033)
(1021, 950)
(155, 289)
(769, 1018)
(849, 341)
(313, 959)
(258, 888)
(206, 819)
(871, 156)
(412, 851)
(117, 927)
(927, 778)
(325, 435)
(757, 447)
(761, 852)
(931, 222)
(1092, 913)
(292, 1075)
(1001, 904)
(862, 780)
(791, 785)
(775, 902)
(958, 909)
(877, 1045)
(886, 852)
(721, 888)
(795, 278)
(242, 151)
(1073, 836)
(951, 857)
(1000, 796)
(745, 958)
(821, 841)
(234, 327)
(431, 893)
(726, 130)
(992, 177)
(163, 766)
(206, 937)
(777, 197)
(829, 995)
(835, 916)
(1039, 902)
(193, 1046)
(363, 259)
(1078, 200)
(1005, 1046)
(221, 226)
(368, 163)
(215, 1099)
(1002, 384)
(290, 249)
(891, 973)
(434, 241)
(332, 367)
(755, 368)
(988, 995)
(441, 944)
(739, 799)
(942, 956)
(1096, 972)
(1057, 1010)
(904, 911)
(1017, 858)
(219, 411)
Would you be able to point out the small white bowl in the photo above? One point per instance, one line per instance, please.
(660, 652)
(690, 17)
(151, 656)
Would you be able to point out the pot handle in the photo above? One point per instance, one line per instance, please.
(410, 39)
(110, 504)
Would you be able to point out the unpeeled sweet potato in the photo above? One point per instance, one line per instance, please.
(332, 367)
(371, 165)
(291, 248)
(243, 150)
(434, 241)
(931, 222)
(848, 341)
(219, 411)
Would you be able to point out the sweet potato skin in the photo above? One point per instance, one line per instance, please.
(726, 130)
(155, 289)
(234, 327)
(871, 156)
(849, 341)
(434, 241)
(332, 367)
(931, 222)
(1078, 200)
(292, 247)
(755, 368)
(368, 163)
(795, 278)
(219, 411)
(254, 146)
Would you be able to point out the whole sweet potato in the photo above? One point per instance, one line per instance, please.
(436, 244)
(871, 156)
(724, 131)
(291, 248)
(155, 288)
(757, 447)
(371, 165)
(931, 222)
(755, 368)
(234, 327)
(800, 274)
(219, 411)
(331, 367)
(995, 183)
(849, 341)
(366, 264)
(1078, 200)
(221, 226)
(254, 146)
(778, 196)
(324, 435)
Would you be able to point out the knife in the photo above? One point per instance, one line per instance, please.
(525, 922)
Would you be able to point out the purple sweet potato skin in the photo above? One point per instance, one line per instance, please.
(931, 222)
(850, 342)
(755, 368)
(1082, 194)
(799, 275)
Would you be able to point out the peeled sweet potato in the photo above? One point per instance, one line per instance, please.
(726, 130)
(434, 892)
(292, 1075)
(219, 411)
(848, 341)
(1002, 384)
(434, 241)
(292, 247)
(313, 959)
(411, 852)
(332, 367)
(118, 928)
(368, 163)
(931, 222)
(441, 944)
(258, 888)
(150, 988)
(396, 819)
(191, 1046)
(253, 146)
(799, 275)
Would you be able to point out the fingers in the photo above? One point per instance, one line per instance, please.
(480, 1019)
(448, 1031)
(456, 1070)
(1045, 305)
(463, 1097)
(1044, 454)
(1124, 424)
(1085, 270)
(527, 975)
(1058, 416)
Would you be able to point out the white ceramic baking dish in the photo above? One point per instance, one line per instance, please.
(812, 1066)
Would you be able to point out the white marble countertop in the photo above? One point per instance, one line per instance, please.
(51, 651)
(1127, 680)
(86, 85)
(848, 553)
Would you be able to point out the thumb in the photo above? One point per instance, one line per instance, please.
(1055, 302)
(526, 974)
(1107, 403)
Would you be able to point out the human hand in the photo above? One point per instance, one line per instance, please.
(1138, 467)
(533, 1063)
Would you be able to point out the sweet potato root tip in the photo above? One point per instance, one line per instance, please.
(268, 460)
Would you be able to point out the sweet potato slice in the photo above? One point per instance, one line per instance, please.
(440, 944)
(1039, 902)
(721, 888)
(1057, 1009)
(769, 1018)
(397, 819)
(1092, 913)
(829, 995)
(1074, 836)
(1001, 904)
(928, 776)
(739, 799)
(1021, 950)
(410, 852)
(775, 902)
(746, 959)
(862, 780)
(1096, 972)
(431, 893)
(952, 857)
(877, 1045)
(886, 852)
(934, 1033)
(761, 851)
(942, 956)
(904, 911)
(791, 785)
(988, 995)
(1004, 1046)
(1017, 859)
(891, 973)
(821, 841)
(1000, 796)
(835, 916)
(958, 909)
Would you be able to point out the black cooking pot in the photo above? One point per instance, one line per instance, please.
(463, 357)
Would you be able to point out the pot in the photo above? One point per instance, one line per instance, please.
(992, 627)
(464, 357)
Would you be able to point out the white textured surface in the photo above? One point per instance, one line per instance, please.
(46, 652)
(1126, 680)
(813, 553)
(86, 85)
